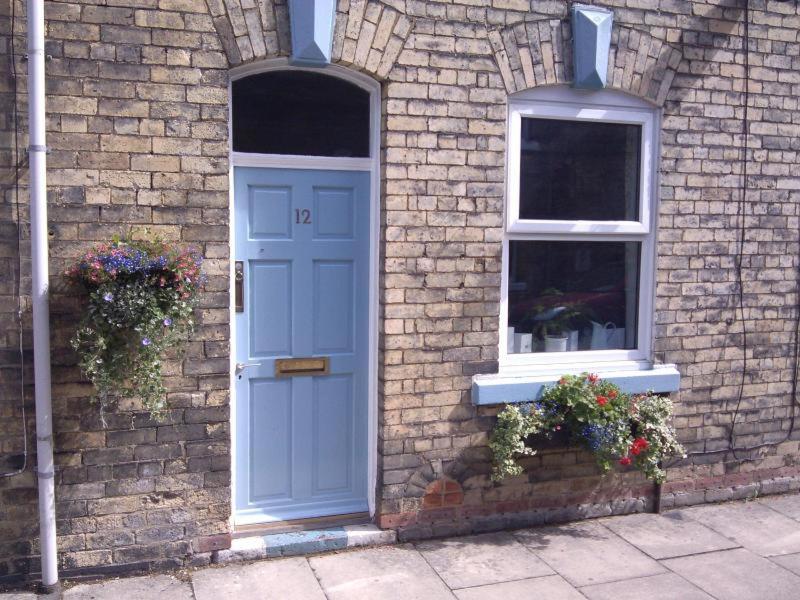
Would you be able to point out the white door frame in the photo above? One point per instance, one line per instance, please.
(371, 164)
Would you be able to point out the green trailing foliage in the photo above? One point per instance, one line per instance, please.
(619, 428)
(140, 297)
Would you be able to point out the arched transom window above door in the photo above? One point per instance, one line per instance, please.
(301, 113)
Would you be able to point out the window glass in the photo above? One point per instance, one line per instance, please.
(302, 113)
(569, 296)
(578, 170)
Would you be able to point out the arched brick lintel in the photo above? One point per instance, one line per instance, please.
(368, 35)
(536, 53)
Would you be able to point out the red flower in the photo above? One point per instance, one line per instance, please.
(593, 378)
(562, 381)
(641, 443)
(635, 450)
(602, 400)
(612, 394)
(625, 461)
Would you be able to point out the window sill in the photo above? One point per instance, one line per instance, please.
(519, 387)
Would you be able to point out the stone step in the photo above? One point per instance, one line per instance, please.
(311, 541)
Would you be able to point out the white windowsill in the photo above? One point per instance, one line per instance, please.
(518, 386)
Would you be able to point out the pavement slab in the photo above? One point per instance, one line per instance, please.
(788, 504)
(152, 587)
(657, 587)
(385, 573)
(551, 587)
(278, 579)
(752, 525)
(586, 553)
(788, 561)
(481, 560)
(667, 535)
(736, 575)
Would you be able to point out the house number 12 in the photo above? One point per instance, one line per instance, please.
(302, 216)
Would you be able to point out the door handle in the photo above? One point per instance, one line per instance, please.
(242, 366)
(238, 285)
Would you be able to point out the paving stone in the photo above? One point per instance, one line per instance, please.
(386, 573)
(587, 553)
(154, 587)
(736, 575)
(669, 535)
(752, 525)
(278, 579)
(19, 596)
(788, 561)
(657, 587)
(552, 587)
(482, 559)
(787, 504)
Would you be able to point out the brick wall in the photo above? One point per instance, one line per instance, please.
(138, 130)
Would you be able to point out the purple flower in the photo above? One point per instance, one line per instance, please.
(167, 322)
(108, 296)
(146, 341)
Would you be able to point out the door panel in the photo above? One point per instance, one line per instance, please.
(270, 213)
(336, 211)
(334, 284)
(271, 434)
(301, 441)
(333, 420)
(271, 296)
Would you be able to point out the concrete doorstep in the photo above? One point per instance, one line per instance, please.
(747, 550)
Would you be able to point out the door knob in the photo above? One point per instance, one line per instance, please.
(242, 366)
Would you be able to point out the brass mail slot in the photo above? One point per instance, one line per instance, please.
(296, 367)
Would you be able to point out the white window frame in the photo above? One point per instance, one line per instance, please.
(605, 106)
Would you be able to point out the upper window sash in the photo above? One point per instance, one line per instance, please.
(543, 110)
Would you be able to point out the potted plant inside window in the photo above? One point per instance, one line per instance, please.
(558, 325)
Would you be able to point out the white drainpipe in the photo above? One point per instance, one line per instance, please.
(37, 154)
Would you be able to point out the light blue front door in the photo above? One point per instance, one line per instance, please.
(302, 246)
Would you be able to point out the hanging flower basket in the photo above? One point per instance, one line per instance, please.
(140, 299)
(629, 430)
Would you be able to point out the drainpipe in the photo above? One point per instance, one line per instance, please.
(40, 270)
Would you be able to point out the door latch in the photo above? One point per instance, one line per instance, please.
(238, 285)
